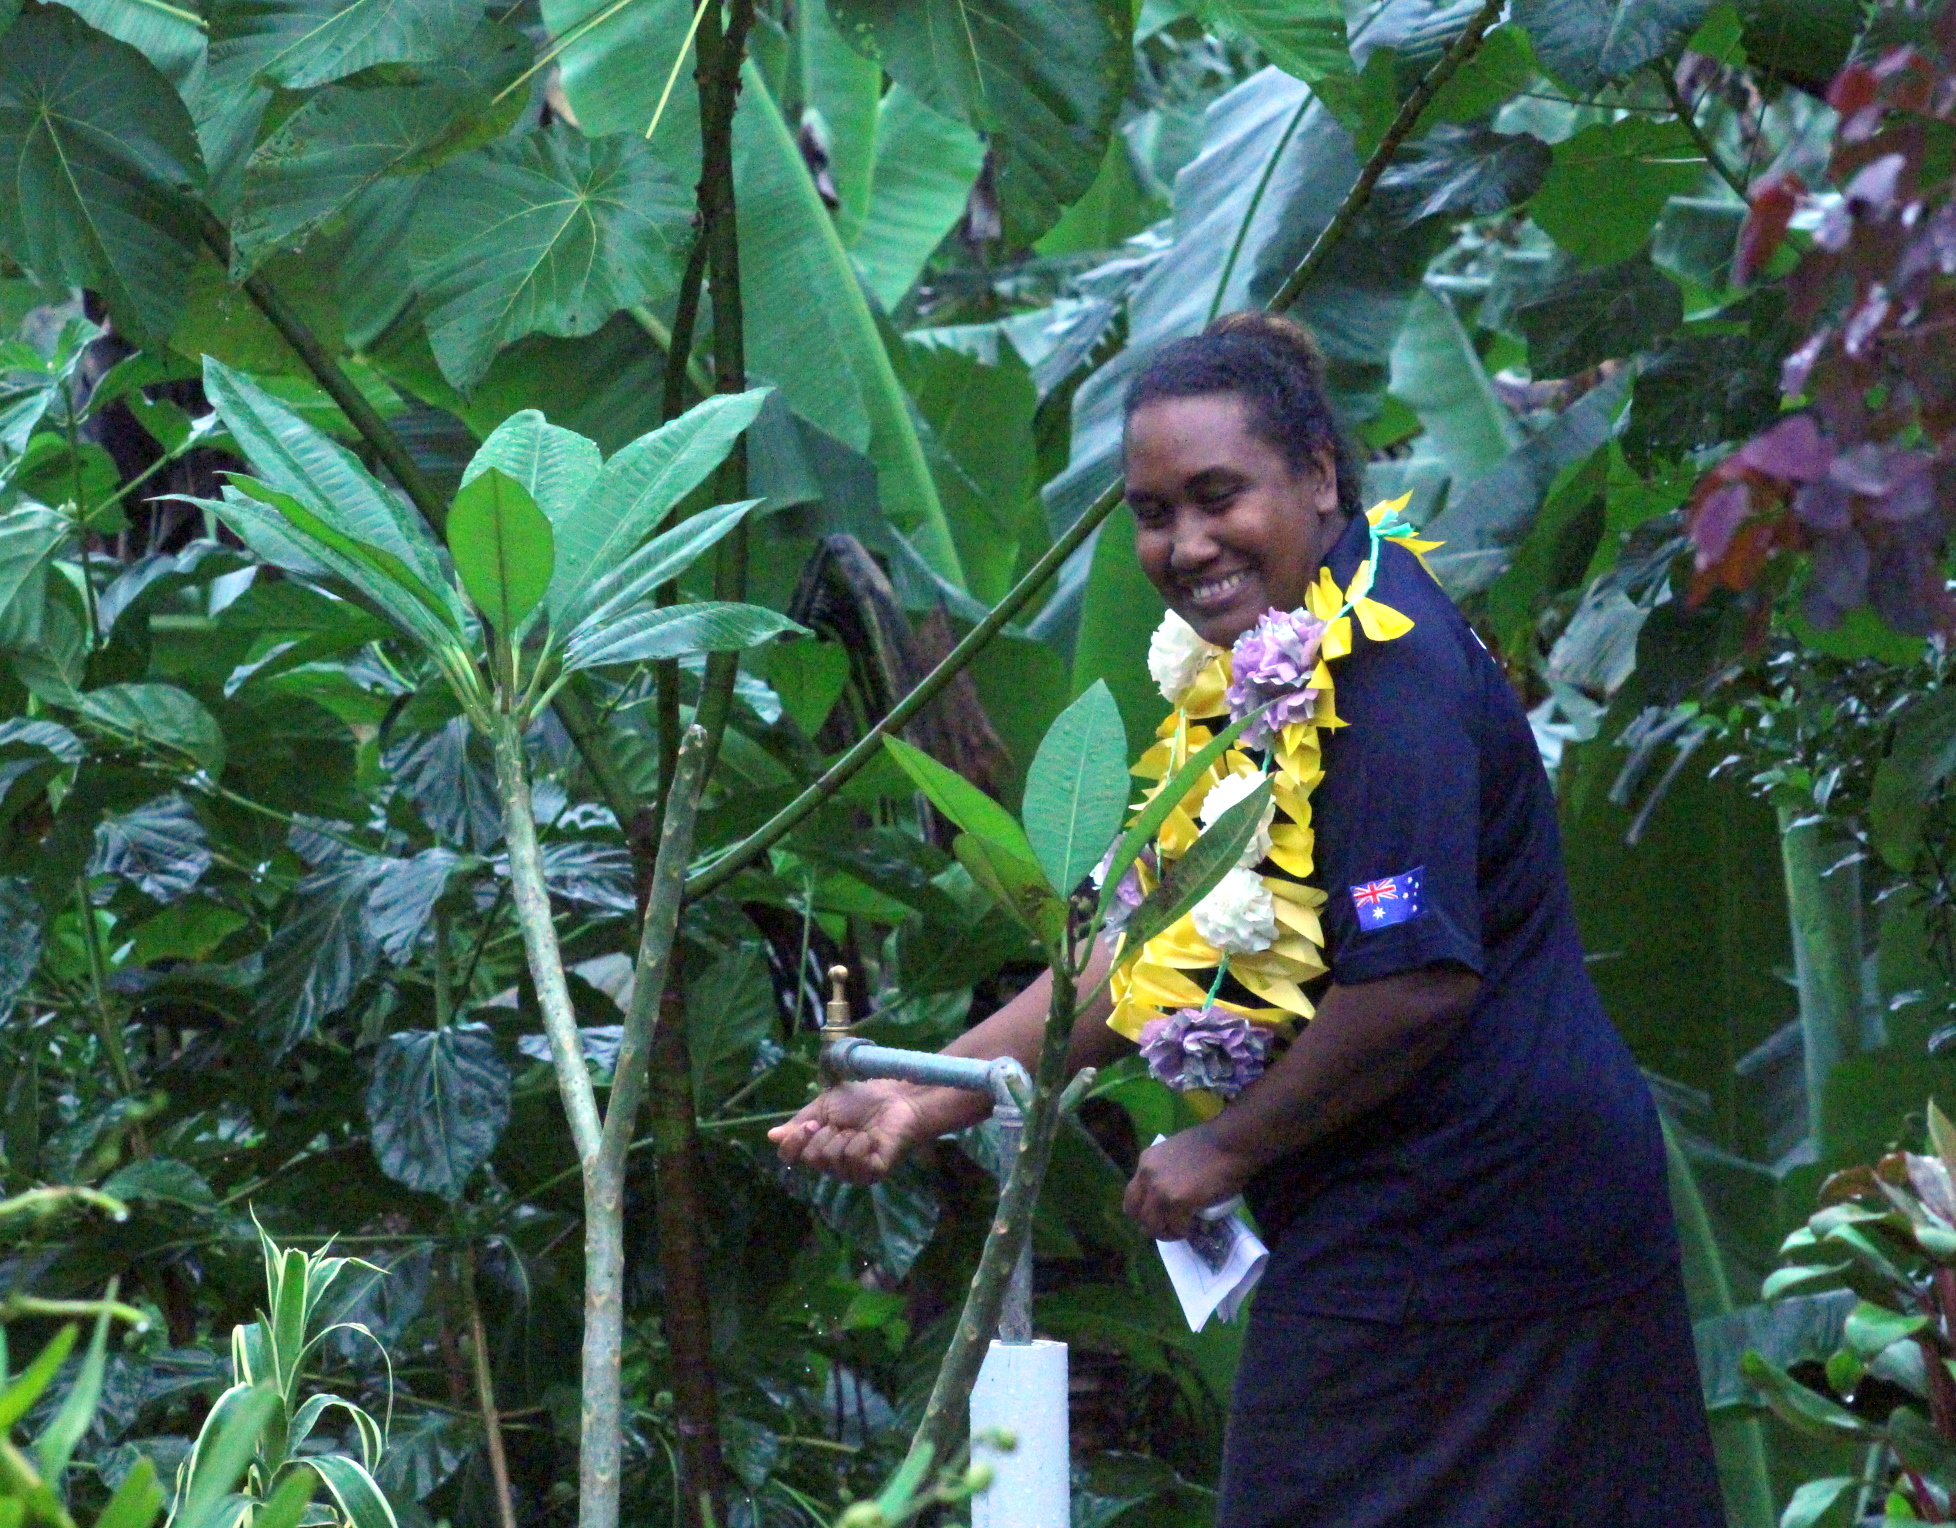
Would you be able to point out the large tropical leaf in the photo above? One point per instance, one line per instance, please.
(1041, 78)
(319, 954)
(404, 899)
(1609, 183)
(344, 140)
(676, 630)
(301, 43)
(438, 1103)
(549, 233)
(615, 62)
(1438, 373)
(161, 716)
(925, 166)
(810, 330)
(633, 493)
(1595, 316)
(161, 848)
(100, 161)
(1584, 43)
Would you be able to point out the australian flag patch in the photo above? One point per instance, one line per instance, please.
(1380, 904)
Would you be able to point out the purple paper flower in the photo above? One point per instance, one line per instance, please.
(1128, 895)
(1274, 660)
(1208, 1048)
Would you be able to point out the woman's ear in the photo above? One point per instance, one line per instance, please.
(1324, 491)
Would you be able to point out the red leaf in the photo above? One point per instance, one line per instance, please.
(1774, 201)
(1853, 88)
(1791, 449)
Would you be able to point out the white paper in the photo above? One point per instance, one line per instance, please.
(1215, 1269)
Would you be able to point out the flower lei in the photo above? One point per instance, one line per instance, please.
(1257, 933)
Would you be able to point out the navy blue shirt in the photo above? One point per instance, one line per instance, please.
(1523, 1169)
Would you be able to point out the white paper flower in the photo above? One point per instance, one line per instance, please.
(1239, 917)
(1225, 795)
(1176, 655)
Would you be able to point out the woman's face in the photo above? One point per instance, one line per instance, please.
(1225, 528)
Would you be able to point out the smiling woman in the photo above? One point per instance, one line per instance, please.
(1472, 1313)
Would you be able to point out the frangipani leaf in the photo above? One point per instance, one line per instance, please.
(646, 636)
(503, 548)
(634, 492)
(960, 801)
(1076, 789)
(555, 466)
(660, 560)
(1186, 881)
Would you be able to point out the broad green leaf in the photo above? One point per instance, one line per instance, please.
(1922, 755)
(100, 163)
(633, 493)
(1119, 610)
(171, 42)
(982, 444)
(160, 1180)
(1016, 883)
(1504, 66)
(1921, 1447)
(660, 560)
(438, 1104)
(361, 1502)
(343, 140)
(1188, 880)
(645, 636)
(404, 898)
(20, 940)
(320, 952)
(1585, 43)
(56, 1444)
(1596, 316)
(555, 466)
(137, 1501)
(1871, 1328)
(843, 91)
(1304, 38)
(1608, 185)
(925, 167)
(1804, 41)
(1464, 171)
(1438, 372)
(1813, 1499)
(29, 536)
(1799, 1407)
(960, 801)
(160, 716)
(25, 1388)
(301, 43)
(1702, 390)
(1076, 790)
(1042, 79)
(1140, 833)
(319, 472)
(804, 310)
(548, 233)
(615, 63)
(503, 548)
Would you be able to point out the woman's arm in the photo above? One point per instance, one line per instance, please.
(859, 1131)
(1365, 1044)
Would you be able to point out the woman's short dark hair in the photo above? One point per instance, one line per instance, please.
(1274, 366)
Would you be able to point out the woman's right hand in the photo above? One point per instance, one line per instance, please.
(855, 1132)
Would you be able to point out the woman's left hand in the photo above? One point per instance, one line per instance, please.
(1179, 1176)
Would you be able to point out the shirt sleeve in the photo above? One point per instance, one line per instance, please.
(1397, 815)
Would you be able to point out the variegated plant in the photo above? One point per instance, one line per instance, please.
(266, 1414)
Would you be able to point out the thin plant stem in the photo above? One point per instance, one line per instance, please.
(485, 1395)
(1463, 47)
(1687, 115)
(1256, 201)
(98, 984)
(444, 990)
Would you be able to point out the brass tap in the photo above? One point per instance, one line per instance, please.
(836, 1025)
